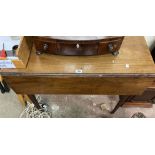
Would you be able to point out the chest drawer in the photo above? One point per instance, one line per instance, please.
(46, 47)
(110, 47)
(78, 47)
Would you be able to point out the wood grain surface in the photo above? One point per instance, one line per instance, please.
(134, 58)
(131, 72)
(77, 85)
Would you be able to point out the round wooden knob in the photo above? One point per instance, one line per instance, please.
(77, 46)
(45, 47)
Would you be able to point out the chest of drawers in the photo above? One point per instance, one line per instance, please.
(78, 45)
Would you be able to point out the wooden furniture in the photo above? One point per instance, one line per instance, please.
(90, 45)
(146, 99)
(4, 88)
(130, 73)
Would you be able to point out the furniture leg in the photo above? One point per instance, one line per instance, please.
(34, 101)
(123, 99)
(21, 99)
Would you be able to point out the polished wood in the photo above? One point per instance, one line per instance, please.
(77, 85)
(131, 72)
(134, 60)
(152, 85)
(138, 105)
(23, 52)
(74, 45)
(21, 99)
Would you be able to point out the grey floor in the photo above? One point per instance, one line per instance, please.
(72, 106)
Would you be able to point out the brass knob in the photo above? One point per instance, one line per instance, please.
(77, 46)
(45, 47)
(112, 50)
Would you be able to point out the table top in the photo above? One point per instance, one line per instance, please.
(134, 60)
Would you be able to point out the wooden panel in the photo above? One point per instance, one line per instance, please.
(138, 105)
(84, 48)
(77, 85)
(130, 73)
(153, 85)
(23, 52)
(19, 63)
(147, 96)
(50, 46)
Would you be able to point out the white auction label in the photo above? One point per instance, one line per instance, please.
(6, 64)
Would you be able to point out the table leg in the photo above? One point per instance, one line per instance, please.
(21, 99)
(34, 101)
(123, 99)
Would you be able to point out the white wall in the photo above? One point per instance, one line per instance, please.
(150, 41)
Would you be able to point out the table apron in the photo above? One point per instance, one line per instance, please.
(78, 85)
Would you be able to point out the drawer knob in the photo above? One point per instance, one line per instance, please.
(77, 46)
(45, 47)
(112, 50)
(110, 46)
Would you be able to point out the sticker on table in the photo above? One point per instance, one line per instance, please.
(78, 71)
(6, 64)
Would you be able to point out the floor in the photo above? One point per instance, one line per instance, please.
(72, 106)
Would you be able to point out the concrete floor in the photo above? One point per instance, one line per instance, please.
(72, 106)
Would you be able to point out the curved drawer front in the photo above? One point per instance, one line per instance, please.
(68, 47)
(77, 48)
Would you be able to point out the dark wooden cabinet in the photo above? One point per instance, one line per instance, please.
(75, 46)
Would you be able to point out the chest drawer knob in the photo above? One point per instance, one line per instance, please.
(112, 49)
(45, 47)
(77, 46)
(110, 46)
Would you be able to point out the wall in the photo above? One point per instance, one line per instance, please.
(150, 41)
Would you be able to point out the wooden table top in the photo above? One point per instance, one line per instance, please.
(134, 60)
